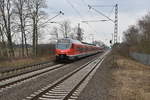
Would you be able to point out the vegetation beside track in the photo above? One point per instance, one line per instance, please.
(25, 61)
(131, 79)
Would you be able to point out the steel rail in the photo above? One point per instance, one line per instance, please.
(38, 94)
(21, 78)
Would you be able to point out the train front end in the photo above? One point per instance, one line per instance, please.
(63, 49)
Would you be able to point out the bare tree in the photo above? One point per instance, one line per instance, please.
(65, 28)
(137, 37)
(144, 27)
(3, 45)
(6, 12)
(131, 35)
(35, 7)
(78, 33)
(54, 33)
(22, 14)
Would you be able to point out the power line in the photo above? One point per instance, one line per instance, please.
(52, 18)
(84, 2)
(73, 7)
(79, 14)
(85, 21)
(99, 11)
(111, 11)
(112, 6)
(89, 25)
(115, 21)
(90, 7)
(108, 17)
(102, 5)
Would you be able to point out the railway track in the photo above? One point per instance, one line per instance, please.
(22, 78)
(12, 72)
(17, 79)
(69, 86)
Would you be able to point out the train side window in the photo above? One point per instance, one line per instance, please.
(78, 48)
(90, 48)
(86, 49)
(83, 49)
(73, 46)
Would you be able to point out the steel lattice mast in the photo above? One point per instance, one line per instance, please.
(116, 25)
(115, 21)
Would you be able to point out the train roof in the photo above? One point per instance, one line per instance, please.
(68, 40)
(88, 43)
(63, 40)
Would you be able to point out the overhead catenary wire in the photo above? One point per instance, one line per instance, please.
(90, 7)
(52, 18)
(93, 21)
(84, 2)
(85, 21)
(74, 8)
(115, 21)
(110, 13)
(79, 14)
(110, 6)
(102, 5)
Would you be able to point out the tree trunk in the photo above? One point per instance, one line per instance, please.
(33, 39)
(4, 46)
(26, 46)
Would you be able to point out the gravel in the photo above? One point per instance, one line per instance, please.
(23, 90)
(98, 87)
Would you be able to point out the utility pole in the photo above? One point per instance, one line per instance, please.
(116, 24)
(92, 37)
(112, 38)
(115, 21)
(79, 33)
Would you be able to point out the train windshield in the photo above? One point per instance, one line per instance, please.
(64, 41)
(63, 44)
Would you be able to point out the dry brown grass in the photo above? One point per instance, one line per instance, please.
(132, 80)
(25, 61)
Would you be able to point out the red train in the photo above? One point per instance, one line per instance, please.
(67, 48)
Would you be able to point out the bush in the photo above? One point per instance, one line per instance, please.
(46, 49)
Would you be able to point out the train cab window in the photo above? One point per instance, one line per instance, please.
(63, 41)
(63, 46)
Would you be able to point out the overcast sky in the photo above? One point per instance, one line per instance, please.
(77, 10)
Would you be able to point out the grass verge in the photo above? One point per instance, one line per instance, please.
(25, 61)
(132, 80)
